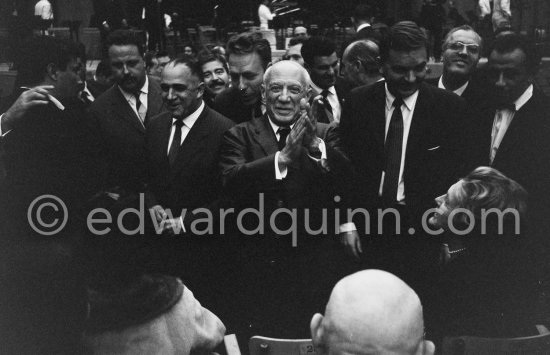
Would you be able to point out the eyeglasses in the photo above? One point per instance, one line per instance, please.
(459, 46)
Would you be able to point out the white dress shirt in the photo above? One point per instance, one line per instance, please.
(503, 119)
(407, 109)
(458, 91)
(144, 91)
(332, 100)
(188, 123)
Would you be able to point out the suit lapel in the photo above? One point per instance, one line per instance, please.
(378, 111)
(192, 147)
(514, 135)
(420, 119)
(264, 136)
(164, 138)
(125, 112)
(154, 105)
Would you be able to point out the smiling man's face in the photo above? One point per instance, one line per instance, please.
(461, 53)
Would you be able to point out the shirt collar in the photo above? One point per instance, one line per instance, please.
(522, 100)
(408, 101)
(276, 127)
(190, 120)
(458, 91)
(363, 25)
(144, 89)
(318, 90)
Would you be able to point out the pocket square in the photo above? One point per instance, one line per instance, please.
(434, 148)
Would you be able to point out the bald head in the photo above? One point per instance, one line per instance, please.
(361, 63)
(369, 312)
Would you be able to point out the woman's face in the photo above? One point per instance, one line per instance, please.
(445, 205)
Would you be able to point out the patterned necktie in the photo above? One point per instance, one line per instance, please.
(393, 149)
(176, 142)
(85, 98)
(140, 108)
(328, 107)
(283, 134)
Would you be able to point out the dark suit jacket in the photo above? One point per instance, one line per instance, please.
(50, 151)
(248, 169)
(524, 153)
(229, 104)
(194, 180)
(434, 157)
(342, 88)
(123, 136)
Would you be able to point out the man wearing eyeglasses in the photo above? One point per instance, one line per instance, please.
(461, 53)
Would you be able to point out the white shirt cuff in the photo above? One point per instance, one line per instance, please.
(279, 175)
(347, 227)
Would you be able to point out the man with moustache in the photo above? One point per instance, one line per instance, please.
(120, 115)
(216, 75)
(248, 56)
(405, 141)
(320, 60)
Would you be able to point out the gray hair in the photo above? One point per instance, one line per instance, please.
(305, 75)
(462, 28)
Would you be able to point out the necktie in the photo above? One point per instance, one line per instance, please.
(140, 108)
(328, 107)
(85, 98)
(176, 142)
(392, 150)
(283, 133)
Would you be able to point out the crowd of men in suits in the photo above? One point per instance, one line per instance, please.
(227, 134)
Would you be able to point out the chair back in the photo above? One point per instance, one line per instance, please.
(465, 345)
(258, 345)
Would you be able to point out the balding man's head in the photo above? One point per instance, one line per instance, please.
(371, 312)
(361, 63)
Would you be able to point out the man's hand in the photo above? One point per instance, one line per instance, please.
(293, 146)
(352, 243)
(311, 141)
(158, 213)
(172, 226)
(37, 96)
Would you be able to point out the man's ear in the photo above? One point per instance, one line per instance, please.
(262, 90)
(51, 71)
(317, 330)
(200, 90)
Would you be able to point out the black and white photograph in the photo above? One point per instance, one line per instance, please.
(274, 177)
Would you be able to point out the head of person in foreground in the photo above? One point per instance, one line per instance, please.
(371, 312)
